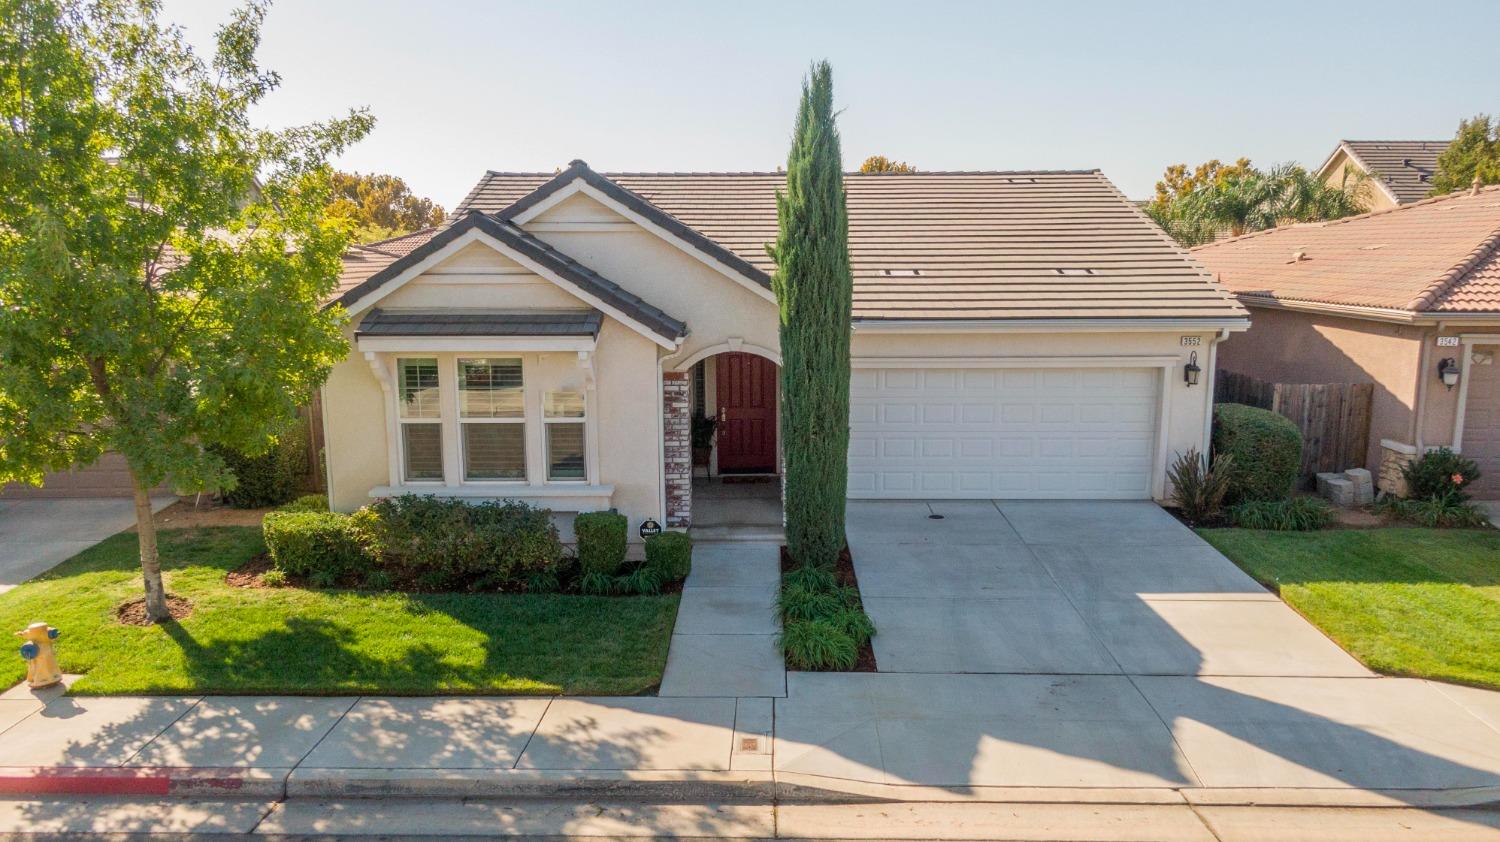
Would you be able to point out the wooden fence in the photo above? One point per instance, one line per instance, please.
(1334, 417)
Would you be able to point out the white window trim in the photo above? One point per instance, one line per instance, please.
(460, 421)
(588, 449)
(402, 421)
(589, 494)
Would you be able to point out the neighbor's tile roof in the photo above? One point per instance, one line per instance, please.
(1438, 255)
(948, 245)
(362, 261)
(454, 323)
(1405, 166)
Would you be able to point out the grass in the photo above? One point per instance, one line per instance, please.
(290, 640)
(1413, 602)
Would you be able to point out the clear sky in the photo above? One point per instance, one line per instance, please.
(460, 87)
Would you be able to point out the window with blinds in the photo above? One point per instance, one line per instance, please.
(563, 416)
(421, 420)
(492, 425)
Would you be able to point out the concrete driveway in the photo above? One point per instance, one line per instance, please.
(37, 535)
(1071, 588)
(1104, 645)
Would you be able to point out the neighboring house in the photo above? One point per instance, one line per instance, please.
(1017, 334)
(1399, 171)
(1394, 298)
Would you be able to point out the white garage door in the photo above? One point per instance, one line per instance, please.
(1003, 432)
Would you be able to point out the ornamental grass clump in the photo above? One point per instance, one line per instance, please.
(1198, 486)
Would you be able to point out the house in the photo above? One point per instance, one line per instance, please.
(1016, 334)
(1407, 299)
(1400, 171)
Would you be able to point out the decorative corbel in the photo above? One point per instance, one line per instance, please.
(381, 373)
(586, 362)
(735, 343)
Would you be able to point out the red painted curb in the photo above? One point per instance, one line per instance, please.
(141, 781)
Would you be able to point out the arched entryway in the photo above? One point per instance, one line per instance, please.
(733, 400)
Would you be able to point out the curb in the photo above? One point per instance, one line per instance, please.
(664, 786)
(144, 781)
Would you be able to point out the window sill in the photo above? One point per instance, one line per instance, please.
(579, 496)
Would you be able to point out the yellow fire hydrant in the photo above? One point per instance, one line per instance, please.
(41, 660)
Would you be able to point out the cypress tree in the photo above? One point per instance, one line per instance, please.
(815, 291)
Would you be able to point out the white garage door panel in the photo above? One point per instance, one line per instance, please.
(1047, 432)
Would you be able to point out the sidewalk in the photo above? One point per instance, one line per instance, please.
(1040, 739)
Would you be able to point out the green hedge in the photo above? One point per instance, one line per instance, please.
(270, 478)
(1266, 449)
(670, 555)
(438, 544)
(601, 542)
(307, 503)
(323, 547)
(1431, 476)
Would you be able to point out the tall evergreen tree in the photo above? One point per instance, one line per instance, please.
(815, 290)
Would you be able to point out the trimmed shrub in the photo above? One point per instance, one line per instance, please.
(273, 578)
(670, 555)
(307, 503)
(1198, 487)
(601, 541)
(1266, 450)
(270, 478)
(323, 547)
(1297, 514)
(437, 544)
(817, 645)
(1440, 473)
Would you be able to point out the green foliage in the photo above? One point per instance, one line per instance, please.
(273, 578)
(880, 163)
(1440, 473)
(271, 477)
(670, 555)
(380, 206)
(594, 583)
(797, 603)
(1295, 514)
(323, 547)
(1475, 151)
(1198, 488)
(811, 578)
(601, 541)
(817, 645)
(1215, 199)
(645, 579)
(1266, 449)
(163, 261)
(307, 503)
(814, 289)
(1449, 510)
(450, 545)
(855, 623)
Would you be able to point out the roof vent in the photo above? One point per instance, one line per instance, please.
(902, 273)
(1405, 162)
(1074, 271)
(1298, 257)
(1020, 181)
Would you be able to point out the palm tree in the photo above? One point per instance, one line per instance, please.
(1256, 200)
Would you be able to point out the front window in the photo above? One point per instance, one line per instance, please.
(492, 422)
(421, 420)
(563, 416)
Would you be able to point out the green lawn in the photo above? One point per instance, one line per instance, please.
(288, 640)
(1418, 602)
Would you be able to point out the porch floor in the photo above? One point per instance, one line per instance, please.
(734, 508)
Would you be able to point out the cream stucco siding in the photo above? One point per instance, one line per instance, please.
(1341, 169)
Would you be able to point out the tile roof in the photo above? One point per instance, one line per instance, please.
(467, 323)
(946, 245)
(1405, 167)
(366, 276)
(1439, 255)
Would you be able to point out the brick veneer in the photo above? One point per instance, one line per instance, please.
(678, 448)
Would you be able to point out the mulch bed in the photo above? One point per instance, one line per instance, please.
(248, 575)
(1219, 522)
(844, 571)
(133, 613)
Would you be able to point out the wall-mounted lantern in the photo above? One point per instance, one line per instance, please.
(1448, 371)
(1191, 371)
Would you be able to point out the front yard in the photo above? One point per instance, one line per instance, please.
(1413, 602)
(293, 640)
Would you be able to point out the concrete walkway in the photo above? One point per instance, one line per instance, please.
(724, 643)
(37, 535)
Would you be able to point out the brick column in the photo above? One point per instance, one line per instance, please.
(677, 465)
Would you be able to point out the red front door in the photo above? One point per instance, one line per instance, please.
(746, 387)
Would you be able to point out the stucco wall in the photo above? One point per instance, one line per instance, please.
(1186, 406)
(1286, 346)
(1375, 198)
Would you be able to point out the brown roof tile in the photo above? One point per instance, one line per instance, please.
(1437, 255)
(948, 245)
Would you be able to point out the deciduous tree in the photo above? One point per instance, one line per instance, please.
(880, 163)
(1475, 151)
(147, 306)
(815, 291)
(380, 206)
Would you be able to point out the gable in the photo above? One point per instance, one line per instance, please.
(477, 276)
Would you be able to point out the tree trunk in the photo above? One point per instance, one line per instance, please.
(145, 527)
